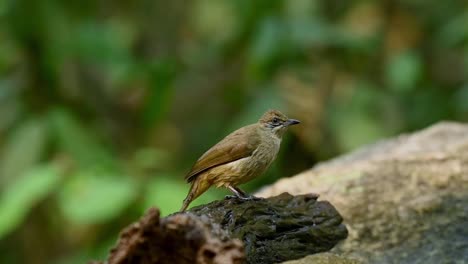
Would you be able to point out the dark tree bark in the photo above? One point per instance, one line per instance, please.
(270, 230)
(279, 228)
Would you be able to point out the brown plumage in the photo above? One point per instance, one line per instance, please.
(239, 157)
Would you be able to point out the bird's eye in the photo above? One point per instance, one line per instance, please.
(275, 120)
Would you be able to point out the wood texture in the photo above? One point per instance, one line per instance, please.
(270, 230)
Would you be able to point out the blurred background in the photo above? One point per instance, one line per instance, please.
(105, 105)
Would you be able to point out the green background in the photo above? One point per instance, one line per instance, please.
(105, 105)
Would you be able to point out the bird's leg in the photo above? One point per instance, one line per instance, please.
(238, 193)
(245, 195)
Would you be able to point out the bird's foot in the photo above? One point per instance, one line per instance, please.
(243, 198)
(250, 198)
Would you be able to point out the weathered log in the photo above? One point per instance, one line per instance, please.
(272, 230)
(181, 238)
(279, 228)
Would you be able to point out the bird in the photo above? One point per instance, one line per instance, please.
(238, 158)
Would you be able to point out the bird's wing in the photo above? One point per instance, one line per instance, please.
(235, 146)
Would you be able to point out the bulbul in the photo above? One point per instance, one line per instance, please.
(238, 158)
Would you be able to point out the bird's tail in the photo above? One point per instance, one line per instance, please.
(198, 187)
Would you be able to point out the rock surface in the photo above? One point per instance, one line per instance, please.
(324, 258)
(404, 200)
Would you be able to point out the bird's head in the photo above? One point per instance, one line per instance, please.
(276, 122)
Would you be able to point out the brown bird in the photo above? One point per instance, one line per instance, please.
(241, 156)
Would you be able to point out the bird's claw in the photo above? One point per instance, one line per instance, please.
(243, 198)
(227, 197)
(251, 198)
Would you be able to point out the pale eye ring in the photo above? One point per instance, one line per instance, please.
(275, 120)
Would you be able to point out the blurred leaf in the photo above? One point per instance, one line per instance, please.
(23, 149)
(10, 56)
(160, 93)
(90, 251)
(268, 44)
(307, 32)
(79, 142)
(102, 43)
(19, 197)
(93, 196)
(150, 158)
(455, 31)
(106, 45)
(461, 101)
(302, 8)
(4, 5)
(215, 21)
(427, 106)
(356, 130)
(356, 120)
(165, 193)
(10, 105)
(403, 71)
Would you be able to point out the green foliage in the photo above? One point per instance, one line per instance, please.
(91, 196)
(166, 193)
(24, 193)
(403, 71)
(353, 124)
(81, 145)
(23, 149)
(159, 95)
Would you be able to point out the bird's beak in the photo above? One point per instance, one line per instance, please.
(291, 122)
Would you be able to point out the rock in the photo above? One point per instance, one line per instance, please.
(279, 228)
(324, 258)
(404, 200)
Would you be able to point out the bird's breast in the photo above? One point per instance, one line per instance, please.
(266, 152)
(245, 169)
(259, 161)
